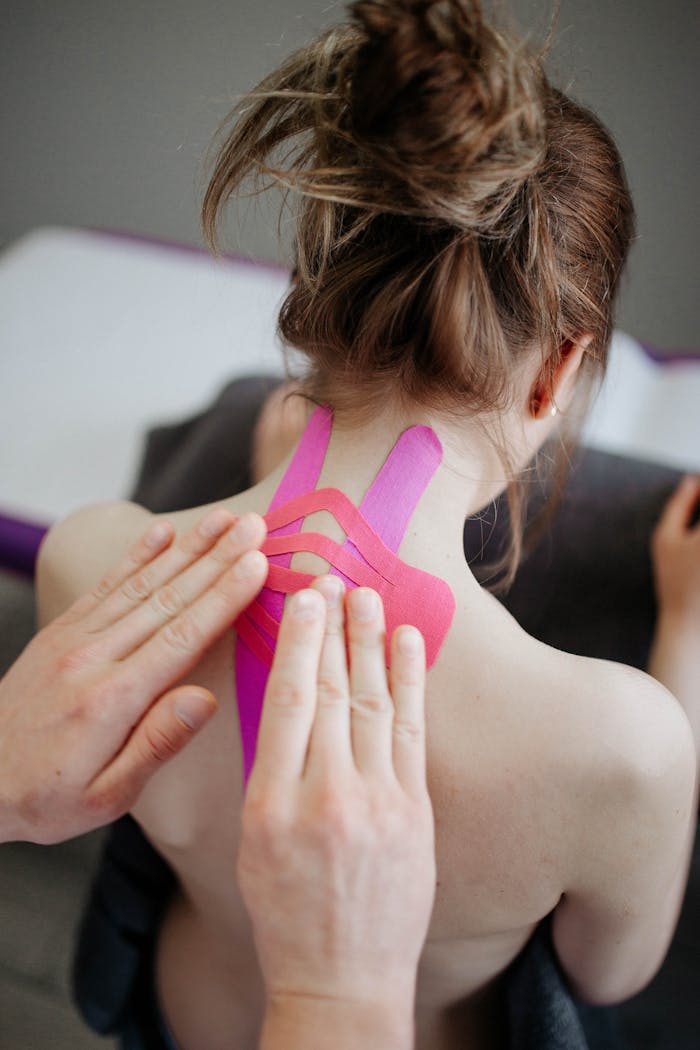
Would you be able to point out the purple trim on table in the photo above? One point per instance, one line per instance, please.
(670, 357)
(186, 249)
(657, 355)
(19, 544)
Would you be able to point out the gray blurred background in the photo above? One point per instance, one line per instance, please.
(107, 110)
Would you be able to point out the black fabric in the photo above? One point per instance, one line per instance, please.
(206, 458)
(115, 938)
(585, 588)
(542, 1015)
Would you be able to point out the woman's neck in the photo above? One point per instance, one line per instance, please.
(468, 479)
(470, 476)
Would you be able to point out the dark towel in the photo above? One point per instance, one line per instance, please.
(205, 458)
(542, 1014)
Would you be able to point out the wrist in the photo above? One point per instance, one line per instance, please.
(677, 624)
(674, 660)
(307, 1022)
(674, 653)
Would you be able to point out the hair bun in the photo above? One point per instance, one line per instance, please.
(446, 106)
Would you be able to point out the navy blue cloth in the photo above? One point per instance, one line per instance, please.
(112, 970)
(542, 1013)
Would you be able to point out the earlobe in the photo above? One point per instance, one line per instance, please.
(542, 403)
(539, 406)
(552, 393)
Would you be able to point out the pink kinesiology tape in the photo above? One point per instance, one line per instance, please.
(367, 558)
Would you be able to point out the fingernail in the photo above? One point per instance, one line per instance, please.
(306, 605)
(332, 590)
(250, 564)
(157, 536)
(216, 522)
(409, 641)
(246, 529)
(194, 710)
(363, 604)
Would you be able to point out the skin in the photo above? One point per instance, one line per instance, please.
(558, 784)
(288, 816)
(87, 717)
(675, 552)
(87, 713)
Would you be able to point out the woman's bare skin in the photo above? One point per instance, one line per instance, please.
(557, 783)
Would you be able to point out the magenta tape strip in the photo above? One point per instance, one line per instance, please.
(410, 595)
(323, 546)
(399, 485)
(362, 535)
(367, 557)
(287, 581)
(261, 617)
(256, 643)
(303, 472)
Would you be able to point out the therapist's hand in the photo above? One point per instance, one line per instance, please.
(337, 864)
(88, 712)
(675, 551)
(676, 556)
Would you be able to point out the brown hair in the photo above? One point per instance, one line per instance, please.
(456, 211)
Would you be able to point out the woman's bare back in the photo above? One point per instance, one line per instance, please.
(533, 762)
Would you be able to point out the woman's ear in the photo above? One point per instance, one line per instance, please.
(553, 394)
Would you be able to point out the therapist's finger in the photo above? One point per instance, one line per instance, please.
(330, 747)
(290, 696)
(407, 684)
(149, 545)
(172, 598)
(165, 730)
(371, 708)
(137, 588)
(178, 647)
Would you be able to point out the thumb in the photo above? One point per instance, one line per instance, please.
(166, 728)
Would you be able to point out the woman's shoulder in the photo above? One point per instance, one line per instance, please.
(615, 739)
(631, 750)
(617, 720)
(604, 718)
(623, 707)
(79, 549)
(630, 773)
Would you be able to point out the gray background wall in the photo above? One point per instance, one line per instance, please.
(107, 109)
